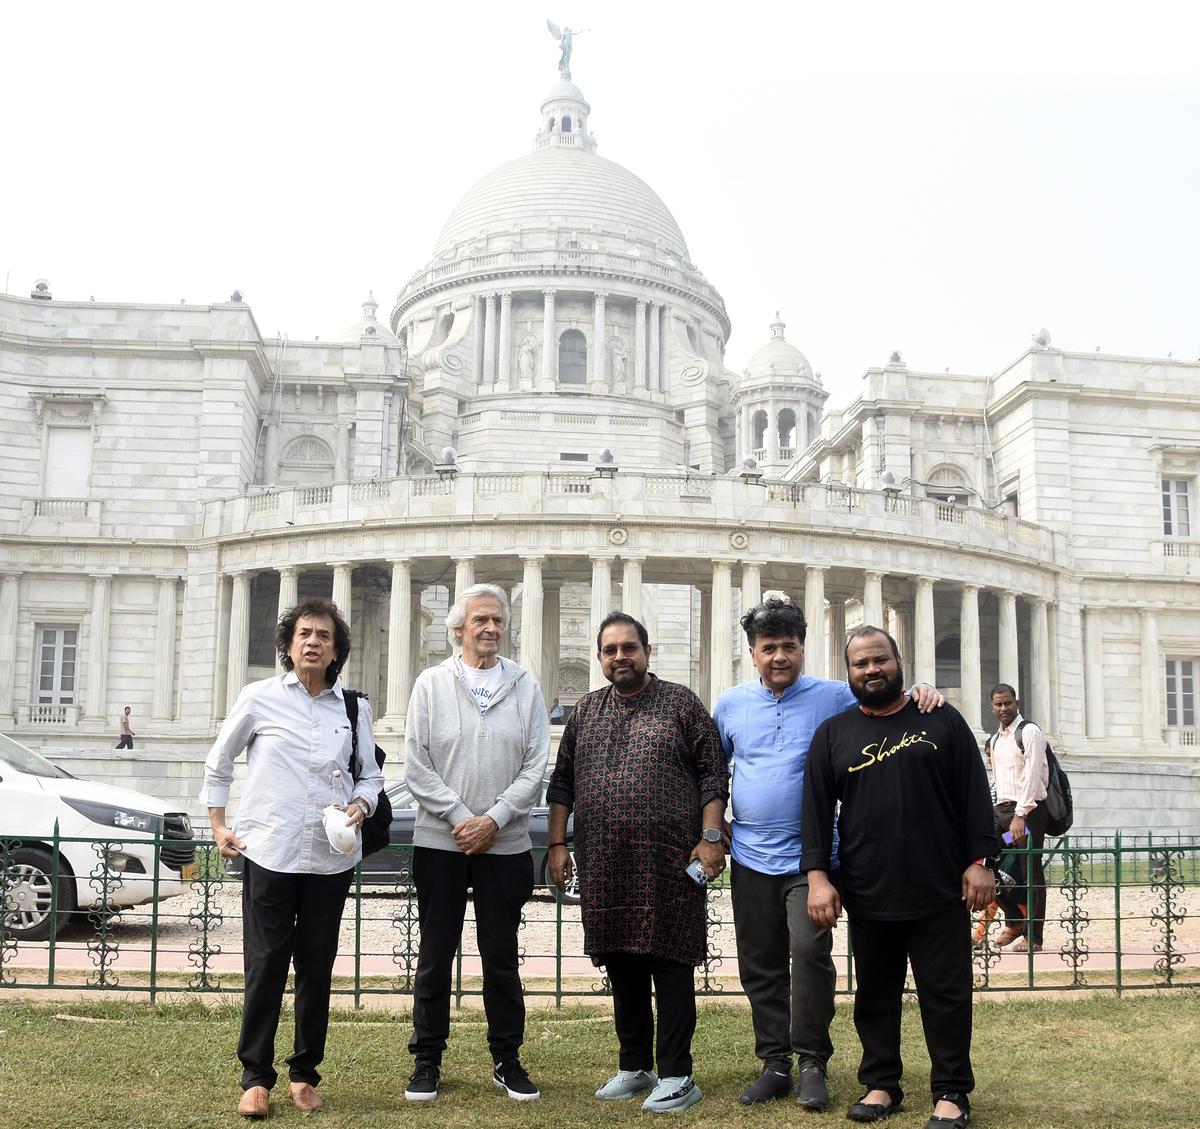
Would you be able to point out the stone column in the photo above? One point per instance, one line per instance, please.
(721, 634)
(506, 328)
(639, 344)
(599, 345)
(1152, 678)
(814, 614)
(631, 588)
(416, 638)
(551, 638)
(98, 631)
(10, 588)
(751, 597)
(341, 453)
(835, 663)
(704, 690)
(164, 648)
(270, 451)
(872, 599)
(601, 600)
(1093, 672)
(1007, 648)
(239, 639)
(464, 575)
(366, 646)
(903, 633)
(343, 597)
(654, 381)
(400, 657)
(1039, 664)
(477, 331)
(969, 674)
(531, 619)
(549, 346)
(924, 652)
(489, 339)
(772, 436)
(289, 597)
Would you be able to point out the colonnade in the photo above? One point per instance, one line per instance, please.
(904, 604)
(499, 352)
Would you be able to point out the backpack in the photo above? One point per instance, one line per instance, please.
(1060, 806)
(377, 827)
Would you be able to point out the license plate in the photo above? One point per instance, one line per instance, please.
(190, 872)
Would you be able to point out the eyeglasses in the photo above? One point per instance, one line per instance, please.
(610, 649)
(764, 614)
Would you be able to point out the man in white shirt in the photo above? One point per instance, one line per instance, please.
(1020, 775)
(298, 745)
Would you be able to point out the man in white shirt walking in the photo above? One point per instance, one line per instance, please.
(298, 745)
(1020, 776)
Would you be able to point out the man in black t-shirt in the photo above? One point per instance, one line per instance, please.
(915, 832)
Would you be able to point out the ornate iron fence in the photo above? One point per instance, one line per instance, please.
(1123, 912)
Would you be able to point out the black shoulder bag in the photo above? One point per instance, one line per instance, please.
(377, 827)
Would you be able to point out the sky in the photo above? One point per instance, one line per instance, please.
(942, 179)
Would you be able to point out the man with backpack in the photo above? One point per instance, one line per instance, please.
(1020, 772)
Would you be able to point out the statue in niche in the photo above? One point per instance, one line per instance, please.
(565, 36)
(525, 362)
(618, 364)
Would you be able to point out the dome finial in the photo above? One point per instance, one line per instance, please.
(778, 326)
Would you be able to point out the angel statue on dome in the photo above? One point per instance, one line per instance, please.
(564, 35)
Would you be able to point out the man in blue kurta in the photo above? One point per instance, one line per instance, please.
(785, 961)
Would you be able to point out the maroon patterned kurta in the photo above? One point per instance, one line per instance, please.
(637, 772)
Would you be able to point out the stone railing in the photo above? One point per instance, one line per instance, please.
(44, 715)
(626, 495)
(551, 259)
(77, 516)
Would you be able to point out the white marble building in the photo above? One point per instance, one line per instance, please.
(171, 478)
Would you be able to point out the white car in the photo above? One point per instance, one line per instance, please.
(114, 868)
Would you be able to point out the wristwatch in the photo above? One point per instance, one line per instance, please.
(711, 835)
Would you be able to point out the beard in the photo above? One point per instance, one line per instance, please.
(880, 693)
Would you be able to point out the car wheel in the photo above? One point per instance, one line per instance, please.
(28, 894)
(570, 895)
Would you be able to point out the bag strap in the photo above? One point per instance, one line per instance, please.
(350, 697)
(1020, 740)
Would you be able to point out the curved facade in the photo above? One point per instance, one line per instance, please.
(172, 479)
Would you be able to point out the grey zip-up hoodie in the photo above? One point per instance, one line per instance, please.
(460, 763)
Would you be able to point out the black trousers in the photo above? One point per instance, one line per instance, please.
(502, 885)
(939, 949)
(630, 975)
(1035, 827)
(125, 741)
(288, 918)
(786, 966)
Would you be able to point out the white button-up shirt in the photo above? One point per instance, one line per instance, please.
(1019, 775)
(298, 752)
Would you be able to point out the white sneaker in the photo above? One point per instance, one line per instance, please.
(625, 1084)
(672, 1094)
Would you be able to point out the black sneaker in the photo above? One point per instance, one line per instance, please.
(772, 1083)
(812, 1091)
(425, 1082)
(511, 1077)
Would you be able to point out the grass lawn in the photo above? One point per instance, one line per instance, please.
(1041, 1063)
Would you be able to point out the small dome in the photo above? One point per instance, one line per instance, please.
(564, 92)
(369, 325)
(778, 357)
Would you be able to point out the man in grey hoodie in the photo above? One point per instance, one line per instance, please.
(477, 738)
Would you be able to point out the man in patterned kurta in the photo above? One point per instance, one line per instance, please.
(641, 765)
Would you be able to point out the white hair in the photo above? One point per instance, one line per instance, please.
(456, 617)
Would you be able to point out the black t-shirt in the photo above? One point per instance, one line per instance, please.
(916, 810)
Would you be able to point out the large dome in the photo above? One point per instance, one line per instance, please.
(563, 187)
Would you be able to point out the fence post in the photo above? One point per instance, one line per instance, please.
(1117, 869)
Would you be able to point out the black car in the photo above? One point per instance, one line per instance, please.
(392, 865)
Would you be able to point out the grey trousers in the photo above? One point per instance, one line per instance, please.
(786, 966)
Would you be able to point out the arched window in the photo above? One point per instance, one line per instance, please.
(787, 434)
(566, 124)
(550, 125)
(758, 438)
(306, 458)
(948, 481)
(572, 358)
